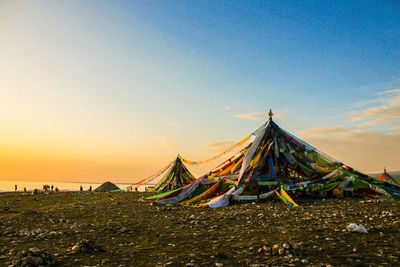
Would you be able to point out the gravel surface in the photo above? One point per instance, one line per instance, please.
(131, 232)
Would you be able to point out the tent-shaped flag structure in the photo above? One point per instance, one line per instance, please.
(175, 176)
(385, 177)
(275, 164)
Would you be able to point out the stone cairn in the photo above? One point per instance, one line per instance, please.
(87, 246)
(33, 257)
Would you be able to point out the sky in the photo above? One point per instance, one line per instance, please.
(95, 90)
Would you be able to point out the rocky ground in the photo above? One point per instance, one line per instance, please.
(117, 229)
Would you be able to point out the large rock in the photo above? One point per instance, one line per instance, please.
(106, 187)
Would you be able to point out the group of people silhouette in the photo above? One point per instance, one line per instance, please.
(46, 188)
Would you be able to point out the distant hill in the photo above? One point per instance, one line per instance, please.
(394, 174)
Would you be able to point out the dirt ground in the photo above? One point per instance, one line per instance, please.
(136, 233)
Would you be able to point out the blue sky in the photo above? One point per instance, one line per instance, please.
(124, 79)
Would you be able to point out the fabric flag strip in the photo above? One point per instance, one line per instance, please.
(286, 198)
(219, 155)
(153, 176)
(242, 142)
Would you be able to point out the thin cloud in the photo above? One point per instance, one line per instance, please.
(323, 132)
(159, 138)
(219, 146)
(253, 116)
(279, 115)
(170, 144)
(369, 102)
(173, 124)
(395, 91)
(379, 115)
(227, 108)
(389, 113)
(163, 141)
(259, 116)
(366, 151)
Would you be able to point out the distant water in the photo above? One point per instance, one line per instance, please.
(9, 186)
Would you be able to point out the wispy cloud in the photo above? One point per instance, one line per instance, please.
(386, 89)
(369, 102)
(378, 115)
(219, 146)
(163, 141)
(259, 115)
(279, 115)
(227, 108)
(170, 144)
(173, 124)
(389, 92)
(251, 116)
(159, 138)
(329, 131)
(388, 113)
(219, 143)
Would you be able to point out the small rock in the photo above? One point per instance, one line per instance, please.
(275, 249)
(357, 228)
(276, 246)
(266, 249)
(304, 261)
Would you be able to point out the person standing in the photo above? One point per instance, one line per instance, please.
(16, 187)
(81, 188)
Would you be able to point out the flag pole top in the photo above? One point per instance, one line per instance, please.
(270, 114)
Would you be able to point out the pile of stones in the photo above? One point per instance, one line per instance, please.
(87, 246)
(106, 187)
(34, 257)
(39, 233)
